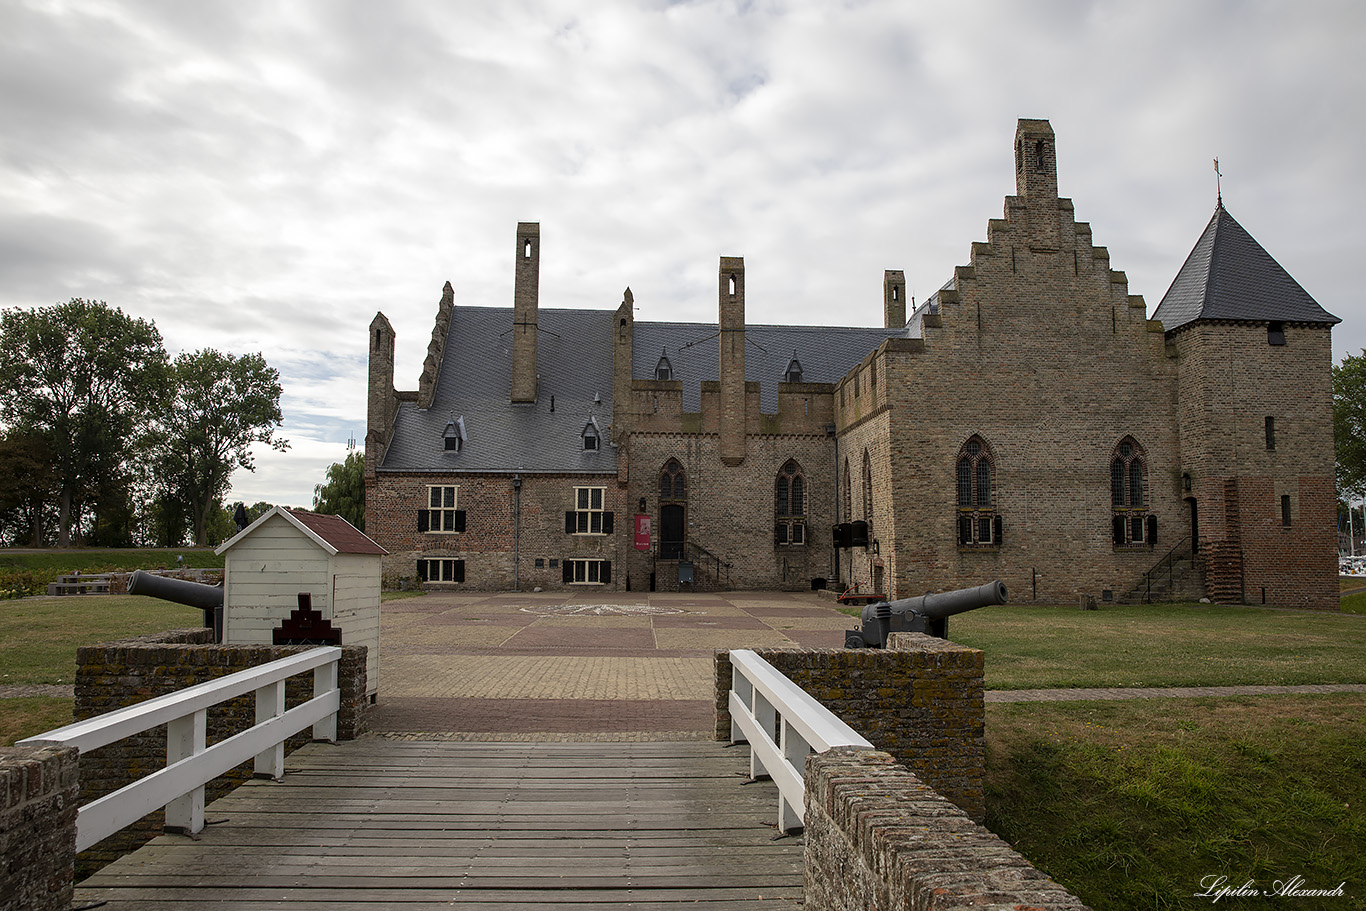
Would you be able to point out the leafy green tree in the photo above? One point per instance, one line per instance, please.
(29, 484)
(84, 376)
(223, 404)
(343, 493)
(1349, 425)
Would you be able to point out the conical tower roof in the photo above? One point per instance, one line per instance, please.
(1229, 276)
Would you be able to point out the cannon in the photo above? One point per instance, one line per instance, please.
(926, 614)
(208, 598)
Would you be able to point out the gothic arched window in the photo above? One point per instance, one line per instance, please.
(789, 505)
(978, 522)
(1131, 523)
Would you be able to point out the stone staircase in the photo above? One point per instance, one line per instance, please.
(1178, 576)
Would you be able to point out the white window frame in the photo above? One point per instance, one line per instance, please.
(445, 567)
(441, 516)
(587, 572)
(587, 516)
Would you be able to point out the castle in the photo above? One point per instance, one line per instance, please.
(1027, 422)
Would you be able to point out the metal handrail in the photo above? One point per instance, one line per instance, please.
(1170, 561)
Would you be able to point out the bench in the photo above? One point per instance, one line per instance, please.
(80, 585)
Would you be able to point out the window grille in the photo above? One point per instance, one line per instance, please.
(789, 506)
(978, 523)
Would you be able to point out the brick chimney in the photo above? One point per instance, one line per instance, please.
(1036, 181)
(731, 292)
(526, 290)
(894, 299)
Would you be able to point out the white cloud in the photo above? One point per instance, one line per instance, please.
(263, 177)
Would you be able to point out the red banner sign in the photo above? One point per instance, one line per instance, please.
(642, 531)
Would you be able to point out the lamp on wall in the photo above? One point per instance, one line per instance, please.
(877, 549)
(1186, 481)
(642, 505)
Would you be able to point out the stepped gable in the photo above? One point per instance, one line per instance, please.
(1229, 276)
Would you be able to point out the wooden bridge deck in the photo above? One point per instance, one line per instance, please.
(408, 826)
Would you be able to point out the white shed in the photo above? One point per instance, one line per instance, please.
(288, 551)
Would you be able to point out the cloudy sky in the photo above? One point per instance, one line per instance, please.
(264, 176)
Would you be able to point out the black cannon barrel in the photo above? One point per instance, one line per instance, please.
(925, 614)
(208, 598)
(193, 594)
(945, 604)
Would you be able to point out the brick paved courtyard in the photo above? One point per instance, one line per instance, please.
(624, 665)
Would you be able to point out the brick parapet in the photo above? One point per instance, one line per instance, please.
(921, 700)
(878, 837)
(114, 675)
(38, 802)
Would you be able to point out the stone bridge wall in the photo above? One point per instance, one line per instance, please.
(898, 828)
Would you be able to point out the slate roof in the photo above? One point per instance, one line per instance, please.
(1229, 276)
(574, 359)
(825, 353)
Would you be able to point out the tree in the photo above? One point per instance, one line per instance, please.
(343, 493)
(28, 487)
(222, 405)
(84, 376)
(1349, 425)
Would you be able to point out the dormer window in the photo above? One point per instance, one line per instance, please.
(793, 374)
(664, 370)
(591, 436)
(453, 437)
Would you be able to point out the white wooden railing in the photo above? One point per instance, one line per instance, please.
(189, 764)
(782, 724)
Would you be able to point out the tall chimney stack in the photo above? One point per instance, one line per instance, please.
(731, 292)
(524, 303)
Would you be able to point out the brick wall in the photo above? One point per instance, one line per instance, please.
(1039, 350)
(919, 700)
(113, 675)
(730, 509)
(877, 837)
(1232, 380)
(487, 544)
(38, 802)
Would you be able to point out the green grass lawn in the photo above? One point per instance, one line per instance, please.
(1131, 804)
(1031, 647)
(39, 636)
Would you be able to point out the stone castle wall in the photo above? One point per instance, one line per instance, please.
(920, 700)
(1232, 382)
(38, 802)
(878, 837)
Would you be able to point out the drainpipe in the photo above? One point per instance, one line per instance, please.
(516, 532)
(833, 432)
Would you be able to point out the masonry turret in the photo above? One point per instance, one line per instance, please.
(381, 400)
(524, 305)
(1036, 181)
(622, 357)
(894, 299)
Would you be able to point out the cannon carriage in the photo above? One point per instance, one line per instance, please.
(928, 613)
